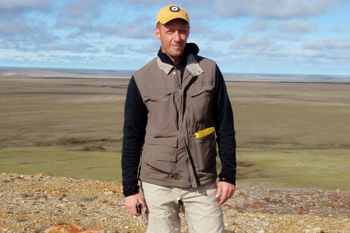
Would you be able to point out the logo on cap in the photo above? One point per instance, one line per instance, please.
(174, 9)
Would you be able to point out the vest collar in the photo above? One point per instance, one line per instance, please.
(164, 66)
(192, 65)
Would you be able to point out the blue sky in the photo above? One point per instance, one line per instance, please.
(250, 36)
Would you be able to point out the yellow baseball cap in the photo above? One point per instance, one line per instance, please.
(172, 12)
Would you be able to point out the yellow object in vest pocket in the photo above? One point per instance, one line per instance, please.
(204, 132)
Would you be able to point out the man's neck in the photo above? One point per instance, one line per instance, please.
(167, 59)
(190, 48)
(175, 60)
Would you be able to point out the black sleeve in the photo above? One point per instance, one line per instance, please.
(225, 131)
(135, 120)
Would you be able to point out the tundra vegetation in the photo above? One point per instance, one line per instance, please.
(68, 123)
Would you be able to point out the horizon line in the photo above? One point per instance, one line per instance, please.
(132, 71)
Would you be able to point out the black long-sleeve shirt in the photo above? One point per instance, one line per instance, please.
(136, 119)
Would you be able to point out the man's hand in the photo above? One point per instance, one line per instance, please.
(224, 191)
(131, 201)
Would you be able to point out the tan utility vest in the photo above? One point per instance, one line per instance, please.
(180, 144)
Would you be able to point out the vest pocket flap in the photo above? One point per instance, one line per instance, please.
(172, 142)
(157, 97)
(198, 92)
(161, 150)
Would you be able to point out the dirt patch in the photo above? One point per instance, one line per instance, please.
(246, 170)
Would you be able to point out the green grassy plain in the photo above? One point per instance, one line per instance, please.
(60, 162)
(70, 124)
(326, 168)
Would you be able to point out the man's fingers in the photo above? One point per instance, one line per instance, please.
(218, 191)
(224, 196)
(222, 193)
(131, 204)
(225, 190)
(232, 191)
(143, 203)
(131, 208)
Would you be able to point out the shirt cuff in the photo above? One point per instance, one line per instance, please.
(129, 190)
(231, 180)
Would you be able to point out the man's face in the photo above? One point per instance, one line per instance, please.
(173, 37)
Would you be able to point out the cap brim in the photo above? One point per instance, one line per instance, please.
(168, 19)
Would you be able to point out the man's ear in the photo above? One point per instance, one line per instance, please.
(157, 32)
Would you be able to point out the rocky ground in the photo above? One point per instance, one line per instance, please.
(35, 203)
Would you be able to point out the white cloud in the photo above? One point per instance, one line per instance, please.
(13, 26)
(282, 9)
(128, 48)
(15, 6)
(120, 49)
(134, 31)
(148, 2)
(332, 49)
(82, 8)
(288, 37)
(69, 47)
(19, 25)
(201, 29)
(138, 29)
(252, 42)
(308, 53)
(25, 32)
(296, 26)
(150, 48)
(214, 53)
(290, 26)
(259, 46)
(259, 25)
(329, 43)
(80, 24)
(222, 36)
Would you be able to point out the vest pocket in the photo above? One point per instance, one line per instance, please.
(160, 154)
(161, 110)
(201, 104)
(205, 151)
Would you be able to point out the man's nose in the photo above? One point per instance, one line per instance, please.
(177, 36)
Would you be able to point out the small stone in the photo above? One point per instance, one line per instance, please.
(315, 230)
(93, 231)
(46, 174)
(64, 229)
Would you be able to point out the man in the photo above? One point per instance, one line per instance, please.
(175, 106)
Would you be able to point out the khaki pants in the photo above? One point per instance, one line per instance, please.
(202, 210)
